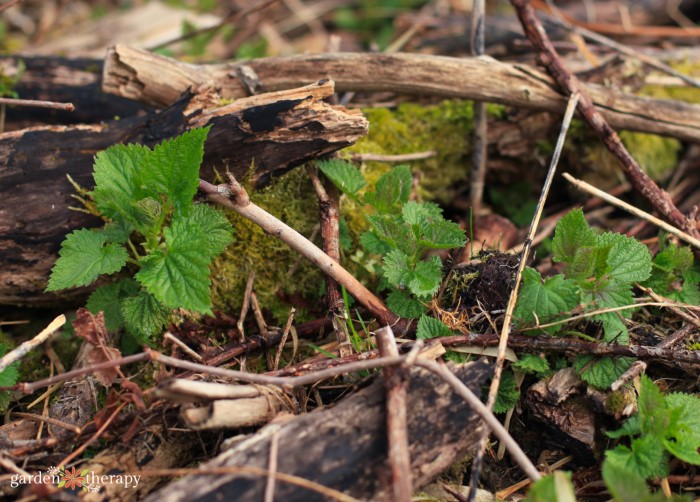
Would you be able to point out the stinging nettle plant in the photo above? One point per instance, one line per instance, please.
(402, 231)
(147, 197)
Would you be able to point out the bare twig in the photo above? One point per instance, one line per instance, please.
(406, 157)
(235, 197)
(176, 341)
(638, 367)
(34, 103)
(479, 135)
(272, 468)
(548, 57)
(285, 334)
(586, 187)
(510, 308)
(22, 350)
(396, 380)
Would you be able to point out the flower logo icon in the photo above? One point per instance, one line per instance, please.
(73, 479)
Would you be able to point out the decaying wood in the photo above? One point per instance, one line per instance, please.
(277, 131)
(158, 81)
(232, 413)
(344, 447)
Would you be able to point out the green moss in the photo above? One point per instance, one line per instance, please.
(412, 128)
(657, 155)
(682, 92)
(278, 269)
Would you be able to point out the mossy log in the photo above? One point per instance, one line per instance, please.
(345, 447)
(274, 131)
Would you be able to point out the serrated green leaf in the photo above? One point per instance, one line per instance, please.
(404, 305)
(441, 234)
(555, 487)
(531, 363)
(84, 256)
(426, 277)
(107, 299)
(544, 301)
(654, 417)
(397, 268)
(628, 261)
(683, 433)
(429, 327)
(390, 229)
(572, 232)
(8, 377)
(118, 232)
(646, 457)
(343, 174)
(178, 277)
(209, 225)
(172, 168)
(601, 372)
(508, 393)
(392, 190)
(416, 213)
(144, 316)
(630, 428)
(118, 182)
(345, 237)
(624, 485)
(373, 244)
(614, 329)
(588, 262)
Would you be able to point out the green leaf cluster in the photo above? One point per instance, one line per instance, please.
(675, 275)
(8, 377)
(147, 197)
(600, 271)
(664, 426)
(402, 231)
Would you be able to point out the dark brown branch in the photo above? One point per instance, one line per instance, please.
(548, 57)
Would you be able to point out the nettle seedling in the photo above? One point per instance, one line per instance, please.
(153, 225)
(402, 231)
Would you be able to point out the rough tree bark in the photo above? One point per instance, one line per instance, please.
(277, 130)
(345, 447)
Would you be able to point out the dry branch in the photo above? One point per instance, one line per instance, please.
(158, 80)
(278, 130)
(344, 447)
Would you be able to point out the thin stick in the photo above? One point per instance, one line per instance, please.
(176, 341)
(396, 382)
(22, 350)
(505, 330)
(479, 139)
(485, 413)
(235, 197)
(272, 468)
(568, 82)
(49, 420)
(586, 187)
(405, 157)
(37, 104)
(285, 334)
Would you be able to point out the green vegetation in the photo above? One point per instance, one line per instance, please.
(147, 198)
(402, 231)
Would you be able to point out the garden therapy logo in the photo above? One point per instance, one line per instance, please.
(75, 480)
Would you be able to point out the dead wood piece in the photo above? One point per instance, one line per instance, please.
(277, 131)
(345, 447)
(158, 81)
(232, 413)
(190, 391)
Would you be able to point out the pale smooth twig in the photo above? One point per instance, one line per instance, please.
(234, 196)
(586, 187)
(34, 103)
(29, 345)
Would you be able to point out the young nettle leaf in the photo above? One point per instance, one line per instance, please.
(144, 315)
(628, 260)
(373, 244)
(8, 377)
(172, 169)
(531, 363)
(675, 275)
(84, 256)
(393, 190)
(429, 327)
(108, 299)
(392, 230)
(572, 233)
(178, 276)
(210, 225)
(544, 301)
(508, 393)
(403, 304)
(601, 372)
(553, 487)
(343, 175)
(419, 213)
(426, 277)
(441, 234)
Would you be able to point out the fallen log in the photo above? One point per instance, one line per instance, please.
(158, 80)
(277, 131)
(345, 447)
